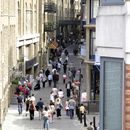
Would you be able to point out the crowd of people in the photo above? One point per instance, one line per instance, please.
(59, 100)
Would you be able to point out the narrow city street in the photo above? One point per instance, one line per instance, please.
(13, 121)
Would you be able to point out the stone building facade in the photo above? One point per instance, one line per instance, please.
(7, 52)
(28, 35)
(21, 44)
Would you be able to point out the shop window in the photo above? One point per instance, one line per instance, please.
(92, 44)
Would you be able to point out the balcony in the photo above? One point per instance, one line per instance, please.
(50, 7)
(49, 27)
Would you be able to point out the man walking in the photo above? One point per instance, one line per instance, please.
(20, 104)
(40, 105)
(72, 105)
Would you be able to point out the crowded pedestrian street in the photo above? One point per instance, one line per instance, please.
(15, 121)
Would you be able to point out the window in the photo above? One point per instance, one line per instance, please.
(19, 18)
(35, 18)
(111, 93)
(93, 9)
(92, 43)
(28, 19)
(21, 53)
(112, 2)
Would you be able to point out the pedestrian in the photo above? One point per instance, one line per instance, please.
(73, 71)
(81, 112)
(65, 66)
(68, 89)
(44, 80)
(47, 72)
(55, 92)
(27, 101)
(46, 115)
(58, 106)
(60, 93)
(40, 105)
(67, 107)
(55, 78)
(64, 78)
(52, 110)
(37, 86)
(72, 105)
(58, 66)
(90, 127)
(66, 52)
(41, 76)
(52, 96)
(69, 74)
(50, 78)
(20, 103)
(31, 109)
(33, 98)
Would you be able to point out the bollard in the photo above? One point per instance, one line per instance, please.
(85, 124)
(94, 123)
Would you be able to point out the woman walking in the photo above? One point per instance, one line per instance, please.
(31, 110)
(52, 110)
(58, 106)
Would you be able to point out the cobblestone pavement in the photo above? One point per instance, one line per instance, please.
(13, 121)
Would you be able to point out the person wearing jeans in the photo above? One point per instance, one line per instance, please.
(20, 104)
(72, 105)
(20, 108)
(46, 115)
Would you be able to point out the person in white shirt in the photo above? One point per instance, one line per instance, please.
(59, 66)
(33, 98)
(46, 115)
(50, 79)
(54, 70)
(55, 92)
(52, 96)
(60, 94)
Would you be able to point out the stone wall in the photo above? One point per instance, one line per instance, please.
(5, 102)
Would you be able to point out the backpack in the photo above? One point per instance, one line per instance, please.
(31, 107)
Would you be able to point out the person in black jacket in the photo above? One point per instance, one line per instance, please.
(55, 78)
(47, 72)
(39, 107)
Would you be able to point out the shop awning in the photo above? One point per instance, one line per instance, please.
(53, 45)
